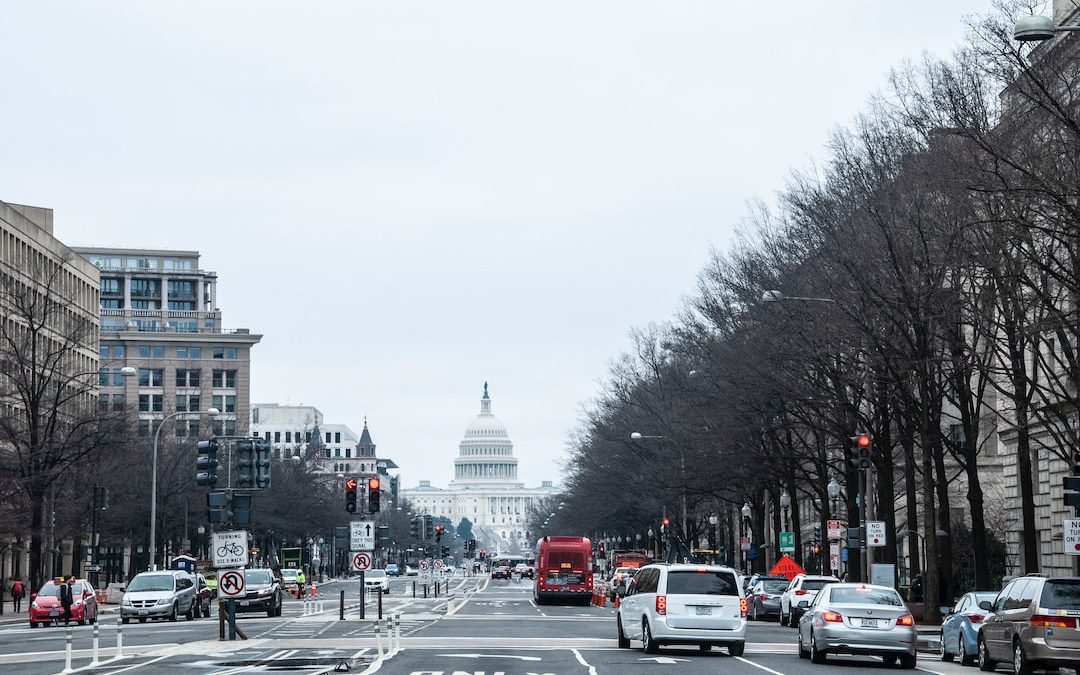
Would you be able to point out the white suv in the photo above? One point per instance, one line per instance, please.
(802, 587)
(684, 604)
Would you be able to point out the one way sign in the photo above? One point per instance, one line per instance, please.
(362, 535)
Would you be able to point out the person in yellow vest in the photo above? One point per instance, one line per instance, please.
(300, 581)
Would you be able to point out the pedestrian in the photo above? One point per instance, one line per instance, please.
(17, 593)
(66, 588)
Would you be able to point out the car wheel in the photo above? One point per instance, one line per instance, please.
(908, 661)
(783, 617)
(33, 624)
(648, 645)
(889, 660)
(803, 654)
(624, 642)
(125, 620)
(943, 653)
(985, 662)
(961, 651)
(754, 614)
(1021, 666)
(190, 613)
(737, 648)
(816, 655)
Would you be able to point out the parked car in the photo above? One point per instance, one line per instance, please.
(204, 597)
(802, 587)
(410, 571)
(683, 604)
(164, 594)
(960, 629)
(376, 579)
(289, 581)
(764, 597)
(262, 592)
(45, 605)
(392, 570)
(857, 619)
(1033, 624)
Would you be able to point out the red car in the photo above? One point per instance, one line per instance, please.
(500, 572)
(45, 604)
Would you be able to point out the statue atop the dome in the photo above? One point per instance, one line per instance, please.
(485, 389)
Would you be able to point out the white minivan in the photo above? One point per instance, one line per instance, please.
(683, 604)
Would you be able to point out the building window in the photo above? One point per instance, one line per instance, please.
(151, 402)
(110, 377)
(187, 326)
(111, 303)
(288, 437)
(110, 285)
(188, 377)
(337, 436)
(151, 352)
(224, 379)
(118, 402)
(182, 288)
(327, 436)
(189, 352)
(145, 288)
(277, 436)
(187, 403)
(151, 377)
(224, 352)
(181, 305)
(225, 404)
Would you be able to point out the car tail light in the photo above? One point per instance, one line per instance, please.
(661, 604)
(800, 592)
(742, 606)
(976, 618)
(831, 617)
(1045, 621)
(763, 596)
(906, 620)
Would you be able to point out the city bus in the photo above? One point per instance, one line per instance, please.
(563, 570)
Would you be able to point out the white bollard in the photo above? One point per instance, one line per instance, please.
(119, 639)
(378, 638)
(397, 631)
(97, 631)
(67, 651)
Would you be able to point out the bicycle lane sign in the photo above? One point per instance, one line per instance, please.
(230, 549)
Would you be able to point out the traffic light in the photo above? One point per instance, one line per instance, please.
(664, 524)
(245, 461)
(206, 463)
(350, 495)
(262, 463)
(414, 528)
(374, 492)
(862, 447)
(429, 527)
(241, 509)
(438, 533)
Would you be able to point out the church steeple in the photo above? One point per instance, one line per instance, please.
(366, 447)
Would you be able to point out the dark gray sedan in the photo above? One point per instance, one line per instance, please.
(858, 619)
(764, 598)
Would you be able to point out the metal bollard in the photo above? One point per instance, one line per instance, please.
(414, 589)
(67, 651)
(119, 639)
(97, 632)
(380, 602)
(341, 606)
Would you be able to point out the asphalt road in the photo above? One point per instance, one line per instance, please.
(490, 627)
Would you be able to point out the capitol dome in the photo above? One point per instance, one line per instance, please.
(486, 454)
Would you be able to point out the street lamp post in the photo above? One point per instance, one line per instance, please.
(744, 542)
(153, 479)
(713, 545)
(785, 504)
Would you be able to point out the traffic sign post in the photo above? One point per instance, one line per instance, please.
(362, 535)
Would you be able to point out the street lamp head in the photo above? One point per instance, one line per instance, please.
(785, 499)
(746, 510)
(772, 296)
(713, 519)
(1033, 28)
(128, 371)
(213, 411)
(635, 436)
(833, 489)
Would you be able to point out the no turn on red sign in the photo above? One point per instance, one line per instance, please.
(875, 533)
(1071, 539)
(361, 561)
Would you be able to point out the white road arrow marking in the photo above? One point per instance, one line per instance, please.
(494, 656)
(663, 659)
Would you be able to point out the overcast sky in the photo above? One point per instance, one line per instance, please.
(409, 198)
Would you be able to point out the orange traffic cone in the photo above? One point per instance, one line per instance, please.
(615, 603)
(314, 590)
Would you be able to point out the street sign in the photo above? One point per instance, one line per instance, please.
(1071, 540)
(438, 564)
(875, 533)
(787, 567)
(231, 583)
(834, 556)
(424, 566)
(787, 542)
(744, 543)
(230, 548)
(92, 568)
(833, 530)
(361, 561)
(362, 535)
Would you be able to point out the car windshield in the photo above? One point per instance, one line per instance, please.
(1061, 594)
(816, 584)
(52, 590)
(374, 574)
(288, 575)
(866, 596)
(694, 582)
(256, 578)
(151, 582)
(774, 585)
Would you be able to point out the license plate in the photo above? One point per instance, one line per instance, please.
(54, 612)
(703, 611)
(245, 603)
(143, 612)
(869, 623)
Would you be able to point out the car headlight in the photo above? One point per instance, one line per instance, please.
(164, 601)
(77, 602)
(264, 592)
(126, 601)
(35, 605)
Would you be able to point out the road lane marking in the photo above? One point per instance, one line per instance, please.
(758, 665)
(582, 661)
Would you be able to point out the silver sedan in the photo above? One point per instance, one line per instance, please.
(858, 619)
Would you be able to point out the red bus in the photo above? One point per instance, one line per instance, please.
(563, 570)
(629, 559)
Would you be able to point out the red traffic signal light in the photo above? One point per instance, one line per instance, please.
(373, 494)
(861, 448)
(373, 483)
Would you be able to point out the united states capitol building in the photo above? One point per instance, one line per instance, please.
(485, 489)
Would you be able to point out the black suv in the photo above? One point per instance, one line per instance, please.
(262, 592)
